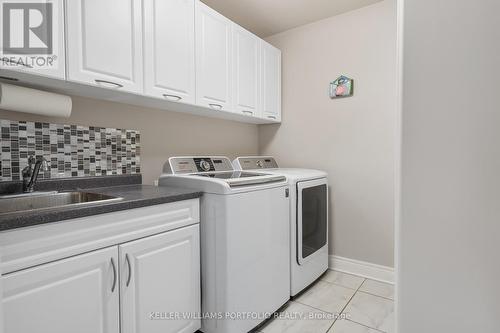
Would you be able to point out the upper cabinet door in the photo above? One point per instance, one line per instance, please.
(246, 72)
(213, 58)
(271, 82)
(169, 62)
(50, 41)
(104, 43)
(77, 295)
(161, 274)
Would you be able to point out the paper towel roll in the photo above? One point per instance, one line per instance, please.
(15, 98)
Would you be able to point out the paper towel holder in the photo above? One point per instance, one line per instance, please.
(28, 100)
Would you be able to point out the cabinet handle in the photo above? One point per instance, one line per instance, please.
(215, 106)
(101, 82)
(248, 112)
(114, 275)
(10, 61)
(271, 117)
(127, 260)
(174, 98)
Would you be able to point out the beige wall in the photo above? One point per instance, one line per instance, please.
(353, 138)
(163, 133)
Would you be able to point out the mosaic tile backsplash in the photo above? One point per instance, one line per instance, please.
(72, 150)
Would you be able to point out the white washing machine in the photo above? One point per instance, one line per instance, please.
(244, 233)
(308, 218)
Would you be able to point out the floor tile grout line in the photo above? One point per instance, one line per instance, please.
(345, 306)
(312, 307)
(375, 329)
(360, 291)
(372, 294)
(364, 325)
(362, 283)
(381, 282)
(356, 292)
(365, 278)
(357, 276)
(340, 285)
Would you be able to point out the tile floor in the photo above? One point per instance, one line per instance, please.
(338, 303)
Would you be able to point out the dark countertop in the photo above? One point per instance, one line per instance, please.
(134, 196)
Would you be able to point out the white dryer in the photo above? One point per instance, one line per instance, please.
(244, 232)
(308, 218)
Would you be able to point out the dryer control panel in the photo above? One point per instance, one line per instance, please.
(197, 164)
(255, 162)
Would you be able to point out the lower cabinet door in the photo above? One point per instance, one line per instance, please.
(160, 283)
(77, 295)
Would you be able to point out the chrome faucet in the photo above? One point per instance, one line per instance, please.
(30, 172)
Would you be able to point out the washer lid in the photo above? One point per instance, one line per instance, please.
(241, 178)
(217, 169)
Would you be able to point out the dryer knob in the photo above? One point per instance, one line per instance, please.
(205, 165)
(260, 164)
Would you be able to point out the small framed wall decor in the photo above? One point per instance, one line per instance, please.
(342, 87)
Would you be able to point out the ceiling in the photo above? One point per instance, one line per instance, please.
(268, 17)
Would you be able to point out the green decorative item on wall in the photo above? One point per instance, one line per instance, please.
(342, 87)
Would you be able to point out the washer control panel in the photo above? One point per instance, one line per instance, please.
(256, 162)
(195, 164)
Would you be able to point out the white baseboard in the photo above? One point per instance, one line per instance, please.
(362, 268)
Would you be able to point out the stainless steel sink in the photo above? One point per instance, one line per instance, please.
(29, 194)
(42, 201)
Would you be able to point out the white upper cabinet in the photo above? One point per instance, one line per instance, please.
(104, 43)
(52, 64)
(169, 54)
(213, 59)
(246, 72)
(271, 82)
(77, 295)
(155, 52)
(161, 274)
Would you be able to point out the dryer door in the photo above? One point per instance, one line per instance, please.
(312, 218)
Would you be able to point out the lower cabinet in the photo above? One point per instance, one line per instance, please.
(160, 283)
(152, 284)
(77, 295)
